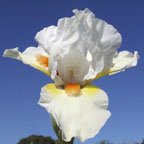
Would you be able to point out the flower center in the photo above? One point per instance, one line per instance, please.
(42, 60)
(72, 89)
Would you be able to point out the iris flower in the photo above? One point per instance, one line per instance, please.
(77, 51)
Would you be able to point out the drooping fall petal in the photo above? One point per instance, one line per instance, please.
(80, 116)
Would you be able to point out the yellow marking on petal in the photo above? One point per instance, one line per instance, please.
(53, 90)
(106, 72)
(42, 60)
(90, 90)
(103, 73)
(45, 71)
(72, 89)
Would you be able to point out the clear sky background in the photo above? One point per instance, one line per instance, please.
(21, 116)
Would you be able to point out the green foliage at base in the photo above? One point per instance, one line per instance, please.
(33, 139)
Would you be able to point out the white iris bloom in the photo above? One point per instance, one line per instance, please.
(75, 52)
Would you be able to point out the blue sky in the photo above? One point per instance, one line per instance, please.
(20, 85)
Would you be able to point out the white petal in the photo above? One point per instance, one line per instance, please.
(124, 60)
(96, 65)
(29, 56)
(110, 38)
(47, 37)
(73, 67)
(12, 53)
(82, 116)
(109, 41)
(82, 33)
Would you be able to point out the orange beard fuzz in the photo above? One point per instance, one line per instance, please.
(42, 60)
(72, 89)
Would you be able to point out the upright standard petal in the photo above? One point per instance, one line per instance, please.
(80, 116)
(35, 57)
(80, 34)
